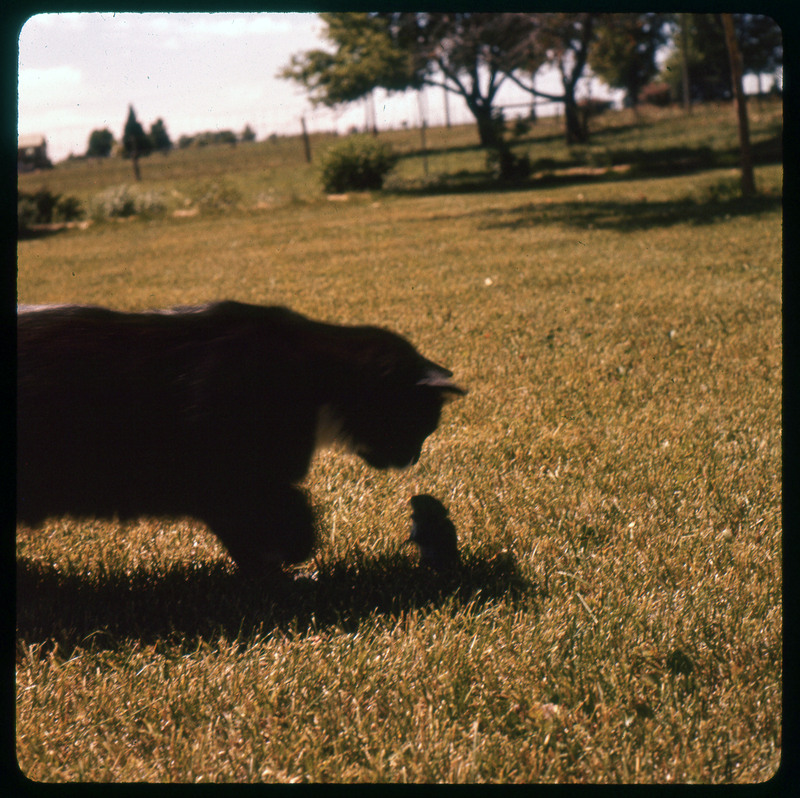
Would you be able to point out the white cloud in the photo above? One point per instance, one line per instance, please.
(233, 25)
(42, 86)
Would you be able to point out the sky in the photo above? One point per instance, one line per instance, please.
(79, 72)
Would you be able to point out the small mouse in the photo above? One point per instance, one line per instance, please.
(433, 532)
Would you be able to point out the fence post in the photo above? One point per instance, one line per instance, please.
(306, 142)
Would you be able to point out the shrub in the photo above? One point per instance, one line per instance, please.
(41, 204)
(359, 163)
(521, 127)
(27, 213)
(121, 202)
(44, 207)
(68, 209)
(217, 195)
(505, 165)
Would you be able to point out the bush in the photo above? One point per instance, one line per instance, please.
(27, 213)
(521, 127)
(217, 195)
(122, 201)
(44, 207)
(68, 209)
(504, 165)
(359, 163)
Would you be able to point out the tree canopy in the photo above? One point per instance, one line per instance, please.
(759, 39)
(474, 54)
(135, 142)
(562, 41)
(159, 138)
(100, 143)
(468, 54)
(365, 57)
(624, 53)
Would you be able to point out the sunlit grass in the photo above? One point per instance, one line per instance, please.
(614, 476)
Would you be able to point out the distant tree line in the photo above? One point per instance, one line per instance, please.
(211, 137)
(473, 54)
(134, 139)
(136, 143)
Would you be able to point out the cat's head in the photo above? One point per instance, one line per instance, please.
(397, 404)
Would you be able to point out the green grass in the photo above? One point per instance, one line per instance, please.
(614, 476)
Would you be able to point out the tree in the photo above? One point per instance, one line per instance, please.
(748, 181)
(470, 55)
(702, 43)
(135, 141)
(100, 143)
(623, 54)
(701, 47)
(760, 44)
(248, 134)
(464, 54)
(562, 41)
(159, 138)
(365, 58)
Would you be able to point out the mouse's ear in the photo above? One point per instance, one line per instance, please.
(439, 377)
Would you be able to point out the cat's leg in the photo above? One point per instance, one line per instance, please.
(276, 528)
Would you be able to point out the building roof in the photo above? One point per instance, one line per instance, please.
(31, 140)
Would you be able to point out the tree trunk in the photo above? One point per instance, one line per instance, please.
(576, 129)
(687, 98)
(488, 129)
(748, 180)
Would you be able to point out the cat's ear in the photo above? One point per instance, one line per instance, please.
(439, 377)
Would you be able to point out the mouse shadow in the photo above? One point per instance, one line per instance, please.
(187, 602)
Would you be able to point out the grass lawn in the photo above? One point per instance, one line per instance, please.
(614, 475)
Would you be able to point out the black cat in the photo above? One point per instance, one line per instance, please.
(212, 412)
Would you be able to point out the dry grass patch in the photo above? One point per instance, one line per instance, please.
(614, 476)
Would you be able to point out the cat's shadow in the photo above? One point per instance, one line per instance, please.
(189, 602)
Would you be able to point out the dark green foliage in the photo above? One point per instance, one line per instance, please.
(760, 42)
(624, 51)
(159, 137)
(211, 137)
(100, 143)
(44, 207)
(68, 209)
(135, 142)
(366, 57)
(505, 165)
(359, 163)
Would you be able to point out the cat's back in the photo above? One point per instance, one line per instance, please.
(87, 329)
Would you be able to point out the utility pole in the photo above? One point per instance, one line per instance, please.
(748, 180)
